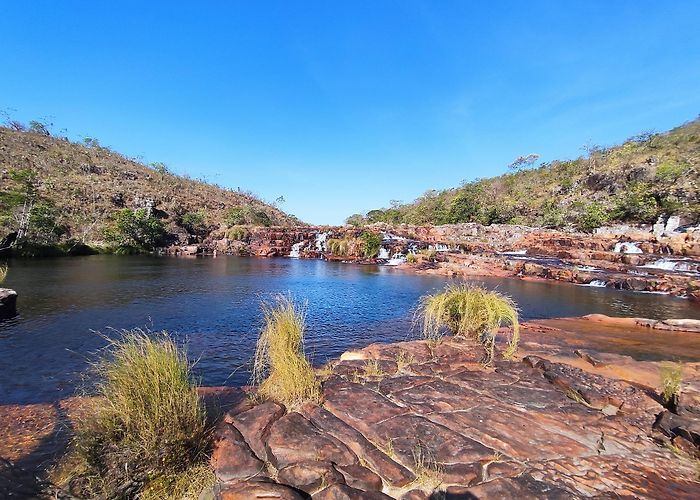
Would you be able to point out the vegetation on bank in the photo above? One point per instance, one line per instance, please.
(648, 175)
(145, 434)
(3, 273)
(280, 368)
(367, 245)
(59, 197)
(469, 311)
(671, 375)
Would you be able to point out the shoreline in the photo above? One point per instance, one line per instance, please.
(556, 355)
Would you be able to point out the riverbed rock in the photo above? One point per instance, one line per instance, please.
(232, 459)
(8, 303)
(254, 425)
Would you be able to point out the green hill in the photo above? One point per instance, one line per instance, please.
(57, 195)
(647, 176)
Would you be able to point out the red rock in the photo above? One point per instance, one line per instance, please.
(361, 477)
(392, 472)
(345, 492)
(232, 458)
(252, 490)
(254, 425)
(309, 476)
(294, 439)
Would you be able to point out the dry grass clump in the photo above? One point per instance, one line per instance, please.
(3, 272)
(373, 368)
(469, 311)
(280, 367)
(145, 435)
(671, 375)
(404, 359)
(429, 473)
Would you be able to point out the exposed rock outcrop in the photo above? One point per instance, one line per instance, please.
(8, 303)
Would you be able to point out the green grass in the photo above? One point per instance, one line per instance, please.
(145, 434)
(469, 311)
(280, 367)
(671, 375)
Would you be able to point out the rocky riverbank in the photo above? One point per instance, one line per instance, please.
(409, 420)
(576, 414)
(627, 258)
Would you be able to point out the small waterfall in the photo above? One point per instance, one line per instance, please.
(514, 252)
(321, 242)
(626, 247)
(439, 247)
(383, 253)
(296, 250)
(587, 268)
(596, 284)
(396, 260)
(670, 265)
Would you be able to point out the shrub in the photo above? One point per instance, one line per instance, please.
(339, 247)
(193, 222)
(465, 207)
(43, 224)
(469, 311)
(280, 367)
(671, 375)
(238, 233)
(372, 244)
(235, 217)
(246, 215)
(638, 204)
(356, 220)
(669, 172)
(593, 216)
(135, 228)
(146, 429)
(411, 258)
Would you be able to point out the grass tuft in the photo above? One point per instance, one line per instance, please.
(671, 375)
(3, 272)
(373, 368)
(469, 311)
(146, 434)
(429, 473)
(280, 368)
(404, 359)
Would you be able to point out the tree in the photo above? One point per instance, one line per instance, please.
(39, 127)
(193, 223)
(135, 228)
(594, 215)
(465, 207)
(522, 162)
(356, 220)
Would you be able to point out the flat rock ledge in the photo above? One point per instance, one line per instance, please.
(415, 421)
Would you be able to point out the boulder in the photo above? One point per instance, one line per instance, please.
(254, 425)
(250, 490)
(232, 459)
(310, 476)
(8, 303)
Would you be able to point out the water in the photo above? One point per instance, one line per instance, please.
(212, 305)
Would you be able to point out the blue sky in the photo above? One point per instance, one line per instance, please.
(342, 106)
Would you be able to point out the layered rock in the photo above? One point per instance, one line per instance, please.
(557, 422)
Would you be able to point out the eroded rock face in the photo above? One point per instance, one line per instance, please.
(558, 425)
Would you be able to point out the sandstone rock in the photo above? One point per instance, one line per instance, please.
(249, 490)
(232, 459)
(361, 477)
(309, 476)
(345, 492)
(254, 425)
(8, 303)
(394, 473)
(294, 439)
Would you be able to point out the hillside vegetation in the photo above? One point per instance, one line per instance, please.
(649, 175)
(61, 195)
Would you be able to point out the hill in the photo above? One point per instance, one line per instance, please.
(57, 194)
(649, 175)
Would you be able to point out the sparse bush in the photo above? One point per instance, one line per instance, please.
(372, 244)
(194, 223)
(135, 229)
(238, 233)
(280, 367)
(669, 172)
(671, 375)
(146, 429)
(469, 311)
(411, 258)
(638, 204)
(594, 216)
(247, 215)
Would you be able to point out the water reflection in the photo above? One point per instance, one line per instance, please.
(213, 305)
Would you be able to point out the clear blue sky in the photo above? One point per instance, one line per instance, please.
(343, 106)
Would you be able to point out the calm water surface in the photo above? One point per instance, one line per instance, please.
(212, 305)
